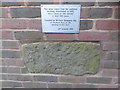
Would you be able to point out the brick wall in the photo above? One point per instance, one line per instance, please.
(21, 24)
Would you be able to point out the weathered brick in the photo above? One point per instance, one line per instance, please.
(25, 12)
(1, 44)
(4, 69)
(34, 85)
(10, 54)
(4, 12)
(4, 76)
(84, 12)
(20, 63)
(7, 35)
(10, 45)
(20, 77)
(117, 13)
(114, 36)
(24, 70)
(110, 64)
(83, 86)
(35, 24)
(99, 80)
(106, 87)
(93, 36)
(55, 85)
(72, 79)
(107, 24)
(14, 24)
(5, 4)
(11, 84)
(110, 72)
(44, 78)
(110, 46)
(108, 3)
(96, 12)
(110, 55)
(83, 4)
(0, 34)
(38, 3)
(28, 41)
(64, 37)
(86, 24)
(115, 80)
(12, 62)
(22, 35)
(12, 70)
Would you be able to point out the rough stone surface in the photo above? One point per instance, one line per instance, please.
(69, 58)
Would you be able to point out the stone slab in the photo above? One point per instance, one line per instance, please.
(68, 58)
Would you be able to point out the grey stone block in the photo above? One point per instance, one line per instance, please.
(99, 80)
(25, 12)
(22, 35)
(46, 78)
(70, 58)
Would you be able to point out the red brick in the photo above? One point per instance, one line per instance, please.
(110, 45)
(7, 35)
(93, 36)
(14, 24)
(63, 37)
(35, 24)
(107, 24)
(84, 12)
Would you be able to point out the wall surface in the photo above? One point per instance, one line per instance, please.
(21, 24)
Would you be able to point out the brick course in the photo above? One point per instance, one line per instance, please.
(107, 24)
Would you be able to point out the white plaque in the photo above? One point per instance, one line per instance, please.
(60, 18)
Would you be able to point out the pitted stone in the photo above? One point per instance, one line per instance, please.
(69, 58)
